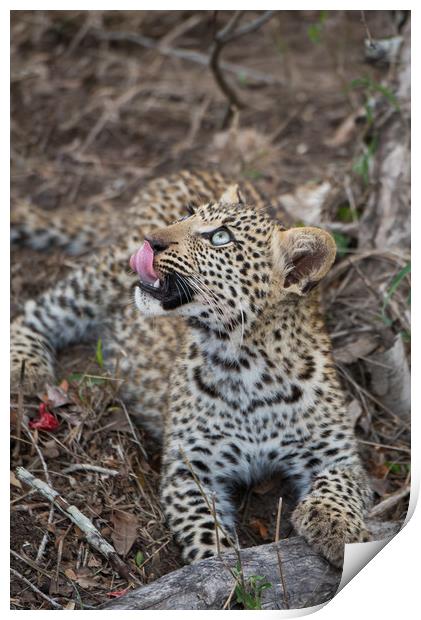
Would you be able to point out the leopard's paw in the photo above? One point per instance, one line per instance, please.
(31, 375)
(327, 527)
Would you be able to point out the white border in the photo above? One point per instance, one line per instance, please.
(387, 587)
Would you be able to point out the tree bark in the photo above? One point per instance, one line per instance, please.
(308, 578)
(386, 220)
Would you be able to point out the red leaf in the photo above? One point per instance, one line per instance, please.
(46, 421)
(117, 593)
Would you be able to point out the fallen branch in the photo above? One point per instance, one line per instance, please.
(183, 54)
(389, 502)
(93, 536)
(307, 578)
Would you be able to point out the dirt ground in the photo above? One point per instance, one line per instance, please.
(93, 118)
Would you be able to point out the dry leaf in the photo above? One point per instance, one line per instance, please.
(14, 481)
(70, 605)
(70, 574)
(390, 379)
(259, 527)
(125, 531)
(85, 579)
(50, 449)
(360, 347)
(93, 562)
(354, 410)
(238, 149)
(346, 130)
(64, 385)
(379, 485)
(117, 420)
(307, 203)
(56, 396)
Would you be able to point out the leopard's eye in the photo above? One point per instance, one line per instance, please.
(221, 237)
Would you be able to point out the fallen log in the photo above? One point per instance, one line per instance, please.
(308, 578)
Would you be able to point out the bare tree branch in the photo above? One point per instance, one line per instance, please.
(178, 52)
(247, 29)
(226, 35)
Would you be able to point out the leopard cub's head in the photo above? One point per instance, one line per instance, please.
(226, 262)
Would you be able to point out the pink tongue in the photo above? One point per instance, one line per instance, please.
(142, 263)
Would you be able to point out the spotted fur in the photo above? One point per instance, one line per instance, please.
(252, 387)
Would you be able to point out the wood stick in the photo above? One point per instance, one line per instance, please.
(278, 553)
(93, 536)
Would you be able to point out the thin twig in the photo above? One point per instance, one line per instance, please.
(342, 370)
(226, 35)
(19, 413)
(218, 545)
(87, 467)
(278, 553)
(50, 600)
(248, 28)
(205, 497)
(134, 431)
(231, 594)
(389, 502)
(367, 29)
(60, 551)
(385, 446)
(93, 536)
(31, 563)
(46, 537)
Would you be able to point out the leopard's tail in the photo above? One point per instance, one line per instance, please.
(41, 229)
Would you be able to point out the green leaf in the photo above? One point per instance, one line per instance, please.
(342, 243)
(371, 87)
(362, 164)
(98, 354)
(249, 592)
(75, 377)
(89, 380)
(139, 558)
(394, 285)
(314, 31)
(398, 468)
(346, 213)
(252, 173)
(242, 79)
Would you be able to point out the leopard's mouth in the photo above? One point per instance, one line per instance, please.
(170, 289)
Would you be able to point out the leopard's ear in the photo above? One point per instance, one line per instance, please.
(232, 195)
(304, 255)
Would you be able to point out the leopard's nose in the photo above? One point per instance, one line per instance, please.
(157, 245)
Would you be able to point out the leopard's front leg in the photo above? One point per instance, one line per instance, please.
(189, 502)
(332, 513)
(67, 313)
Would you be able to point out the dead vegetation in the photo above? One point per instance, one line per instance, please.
(102, 101)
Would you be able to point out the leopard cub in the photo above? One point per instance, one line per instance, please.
(225, 356)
